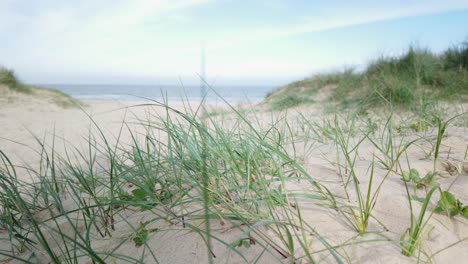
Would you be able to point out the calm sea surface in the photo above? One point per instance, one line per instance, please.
(172, 93)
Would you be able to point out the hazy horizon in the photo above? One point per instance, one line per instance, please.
(267, 43)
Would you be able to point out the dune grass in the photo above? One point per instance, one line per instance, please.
(288, 101)
(418, 230)
(9, 79)
(57, 97)
(200, 173)
(402, 81)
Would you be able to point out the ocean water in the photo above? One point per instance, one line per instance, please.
(232, 94)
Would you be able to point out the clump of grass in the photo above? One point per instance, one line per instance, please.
(308, 86)
(347, 81)
(416, 233)
(9, 79)
(416, 65)
(288, 101)
(456, 57)
(184, 173)
(360, 215)
(399, 80)
(441, 128)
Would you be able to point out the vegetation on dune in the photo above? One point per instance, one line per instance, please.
(58, 97)
(9, 80)
(417, 75)
(290, 100)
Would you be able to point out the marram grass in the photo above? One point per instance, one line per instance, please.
(184, 171)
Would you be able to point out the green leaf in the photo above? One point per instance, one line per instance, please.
(141, 237)
(430, 179)
(290, 244)
(245, 244)
(240, 244)
(447, 203)
(464, 212)
(124, 196)
(139, 194)
(412, 175)
(405, 176)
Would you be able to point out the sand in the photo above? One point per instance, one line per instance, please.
(22, 124)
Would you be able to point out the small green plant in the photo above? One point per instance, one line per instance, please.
(441, 128)
(246, 242)
(417, 125)
(141, 235)
(450, 205)
(427, 182)
(416, 233)
(366, 200)
(388, 147)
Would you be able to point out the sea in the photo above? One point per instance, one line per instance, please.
(231, 94)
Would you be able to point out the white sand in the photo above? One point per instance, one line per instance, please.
(18, 122)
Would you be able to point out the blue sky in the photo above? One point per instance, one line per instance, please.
(266, 42)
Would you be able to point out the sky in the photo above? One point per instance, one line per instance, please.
(247, 42)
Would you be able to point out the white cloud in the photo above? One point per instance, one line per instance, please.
(89, 36)
(135, 37)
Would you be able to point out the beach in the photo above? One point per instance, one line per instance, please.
(199, 131)
(71, 131)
